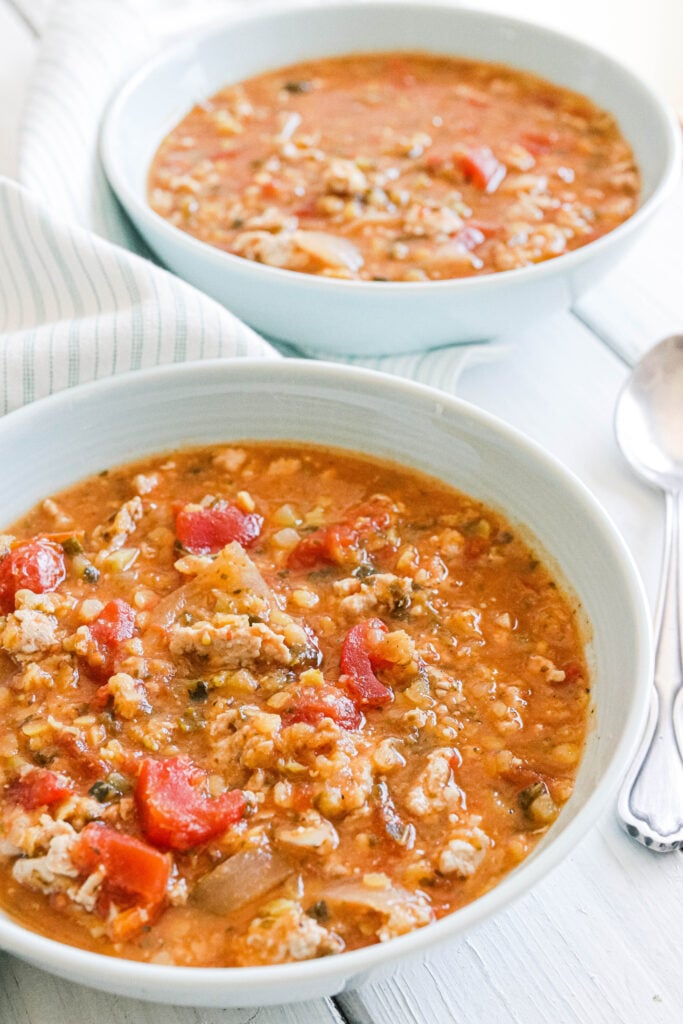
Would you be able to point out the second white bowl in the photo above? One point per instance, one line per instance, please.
(373, 318)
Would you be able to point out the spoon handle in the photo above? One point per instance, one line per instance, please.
(650, 804)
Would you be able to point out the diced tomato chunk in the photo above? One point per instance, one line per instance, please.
(114, 625)
(176, 812)
(83, 763)
(313, 703)
(482, 167)
(204, 531)
(358, 664)
(223, 154)
(271, 189)
(302, 797)
(332, 545)
(572, 671)
(476, 546)
(40, 787)
(540, 142)
(135, 873)
(36, 564)
(327, 546)
(307, 209)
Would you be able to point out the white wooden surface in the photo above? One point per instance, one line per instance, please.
(598, 941)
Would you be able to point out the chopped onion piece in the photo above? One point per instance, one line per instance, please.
(246, 876)
(291, 122)
(452, 252)
(171, 606)
(357, 894)
(329, 249)
(390, 911)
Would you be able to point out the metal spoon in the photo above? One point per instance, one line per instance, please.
(649, 429)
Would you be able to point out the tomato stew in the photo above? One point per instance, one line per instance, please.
(264, 703)
(395, 167)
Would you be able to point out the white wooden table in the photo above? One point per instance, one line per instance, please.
(598, 941)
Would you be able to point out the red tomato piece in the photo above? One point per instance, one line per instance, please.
(326, 546)
(136, 873)
(482, 167)
(271, 189)
(40, 787)
(101, 697)
(358, 664)
(476, 546)
(175, 811)
(204, 531)
(302, 797)
(540, 142)
(308, 209)
(315, 703)
(82, 762)
(36, 564)
(332, 545)
(222, 154)
(572, 671)
(114, 624)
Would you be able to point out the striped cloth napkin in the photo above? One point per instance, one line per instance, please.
(80, 296)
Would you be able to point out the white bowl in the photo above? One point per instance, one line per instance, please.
(62, 439)
(373, 318)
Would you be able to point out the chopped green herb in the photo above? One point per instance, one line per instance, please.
(364, 570)
(119, 782)
(199, 690)
(191, 720)
(319, 911)
(72, 546)
(298, 87)
(526, 797)
(104, 790)
(44, 757)
(320, 575)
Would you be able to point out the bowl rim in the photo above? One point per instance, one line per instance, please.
(167, 982)
(185, 49)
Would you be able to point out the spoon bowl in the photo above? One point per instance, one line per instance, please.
(649, 416)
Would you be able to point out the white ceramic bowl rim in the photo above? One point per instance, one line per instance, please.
(110, 143)
(65, 959)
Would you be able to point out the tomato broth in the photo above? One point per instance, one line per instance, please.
(265, 702)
